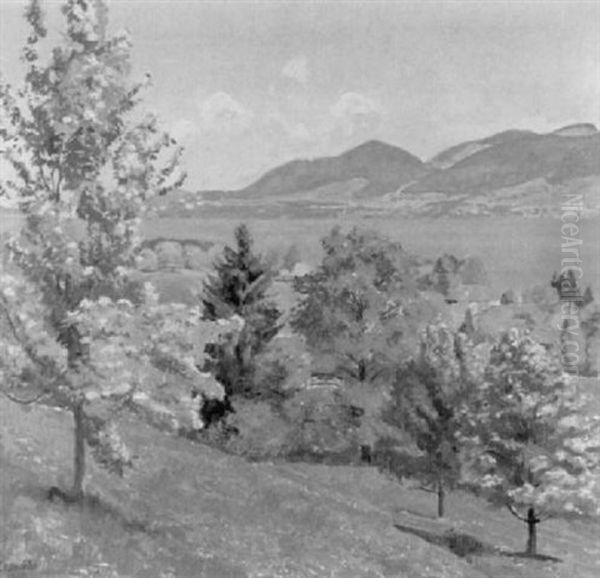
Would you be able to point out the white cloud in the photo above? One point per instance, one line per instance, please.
(220, 112)
(354, 104)
(354, 111)
(296, 69)
(297, 131)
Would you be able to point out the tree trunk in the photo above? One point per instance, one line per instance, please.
(532, 522)
(441, 495)
(362, 371)
(79, 453)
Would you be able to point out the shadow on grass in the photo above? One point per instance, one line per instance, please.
(95, 506)
(465, 545)
(462, 545)
(538, 557)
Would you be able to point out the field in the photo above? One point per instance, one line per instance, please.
(187, 510)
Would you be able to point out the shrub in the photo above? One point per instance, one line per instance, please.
(169, 255)
(194, 257)
(325, 426)
(291, 258)
(147, 261)
(262, 433)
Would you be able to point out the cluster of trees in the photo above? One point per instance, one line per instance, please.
(503, 420)
(499, 417)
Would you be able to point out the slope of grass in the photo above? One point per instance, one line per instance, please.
(189, 510)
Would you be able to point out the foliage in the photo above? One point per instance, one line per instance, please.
(195, 257)
(169, 255)
(360, 305)
(239, 287)
(568, 289)
(430, 395)
(261, 431)
(282, 369)
(147, 261)
(444, 275)
(449, 273)
(578, 321)
(85, 165)
(292, 257)
(535, 449)
(325, 424)
(590, 329)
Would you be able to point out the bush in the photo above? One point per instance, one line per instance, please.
(463, 544)
(325, 426)
(147, 261)
(291, 258)
(312, 426)
(195, 257)
(508, 298)
(169, 255)
(283, 368)
(261, 432)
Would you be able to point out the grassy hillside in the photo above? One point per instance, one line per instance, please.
(189, 510)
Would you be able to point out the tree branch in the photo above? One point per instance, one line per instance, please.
(515, 513)
(23, 342)
(543, 516)
(24, 401)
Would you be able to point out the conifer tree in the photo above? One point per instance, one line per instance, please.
(239, 287)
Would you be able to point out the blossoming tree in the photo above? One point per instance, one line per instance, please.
(536, 450)
(77, 332)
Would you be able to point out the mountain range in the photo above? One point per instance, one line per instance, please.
(512, 170)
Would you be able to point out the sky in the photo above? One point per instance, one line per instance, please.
(247, 85)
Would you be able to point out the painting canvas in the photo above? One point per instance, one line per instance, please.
(299, 288)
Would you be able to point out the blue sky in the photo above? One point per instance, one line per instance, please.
(248, 85)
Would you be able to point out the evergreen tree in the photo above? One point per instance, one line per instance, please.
(239, 287)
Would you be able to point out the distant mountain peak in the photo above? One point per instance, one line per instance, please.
(374, 144)
(579, 129)
(376, 170)
(383, 168)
